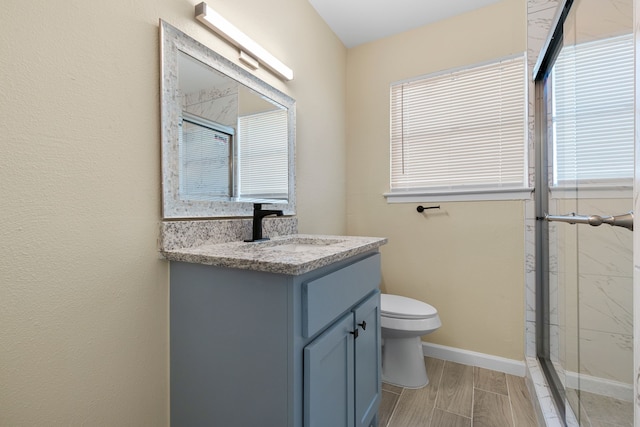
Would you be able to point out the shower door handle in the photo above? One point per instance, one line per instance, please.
(624, 220)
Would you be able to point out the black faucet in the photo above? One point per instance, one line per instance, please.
(258, 214)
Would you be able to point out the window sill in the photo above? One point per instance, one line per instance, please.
(413, 196)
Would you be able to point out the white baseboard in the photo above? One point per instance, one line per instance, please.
(472, 358)
(601, 386)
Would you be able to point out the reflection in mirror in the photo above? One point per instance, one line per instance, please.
(228, 138)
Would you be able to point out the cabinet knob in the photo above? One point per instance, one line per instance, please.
(363, 325)
(354, 333)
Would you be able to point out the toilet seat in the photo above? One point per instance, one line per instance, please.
(399, 307)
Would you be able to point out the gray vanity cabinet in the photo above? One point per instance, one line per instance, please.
(250, 348)
(340, 387)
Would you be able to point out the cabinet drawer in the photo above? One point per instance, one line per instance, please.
(327, 297)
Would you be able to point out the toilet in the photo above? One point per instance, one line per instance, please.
(403, 321)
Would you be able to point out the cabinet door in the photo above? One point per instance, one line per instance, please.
(329, 376)
(367, 360)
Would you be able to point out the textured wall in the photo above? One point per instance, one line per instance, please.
(466, 259)
(83, 294)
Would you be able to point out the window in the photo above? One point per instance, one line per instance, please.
(593, 109)
(460, 131)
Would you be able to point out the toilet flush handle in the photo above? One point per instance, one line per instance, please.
(363, 325)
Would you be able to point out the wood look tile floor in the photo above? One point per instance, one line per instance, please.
(459, 396)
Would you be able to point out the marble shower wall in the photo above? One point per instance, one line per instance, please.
(592, 272)
(636, 209)
(218, 104)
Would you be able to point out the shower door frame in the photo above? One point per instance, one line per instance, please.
(540, 75)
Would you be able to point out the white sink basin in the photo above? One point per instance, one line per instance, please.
(291, 244)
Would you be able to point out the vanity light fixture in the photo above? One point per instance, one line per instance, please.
(251, 53)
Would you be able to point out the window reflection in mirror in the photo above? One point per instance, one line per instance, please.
(206, 156)
(233, 143)
(228, 137)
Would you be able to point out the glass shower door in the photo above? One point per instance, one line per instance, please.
(589, 107)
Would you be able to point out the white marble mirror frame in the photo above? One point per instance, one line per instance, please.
(173, 41)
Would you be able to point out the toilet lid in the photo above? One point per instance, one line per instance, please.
(401, 307)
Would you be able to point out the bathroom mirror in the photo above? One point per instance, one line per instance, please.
(228, 138)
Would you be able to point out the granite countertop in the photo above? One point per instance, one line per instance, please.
(292, 254)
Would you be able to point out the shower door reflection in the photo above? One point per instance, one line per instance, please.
(589, 115)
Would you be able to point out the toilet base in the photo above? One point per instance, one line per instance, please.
(403, 362)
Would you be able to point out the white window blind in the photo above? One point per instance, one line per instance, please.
(460, 130)
(263, 155)
(593, 105)
(204, 162)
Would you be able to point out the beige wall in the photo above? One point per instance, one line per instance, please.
(466, 259)
(83, 294)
